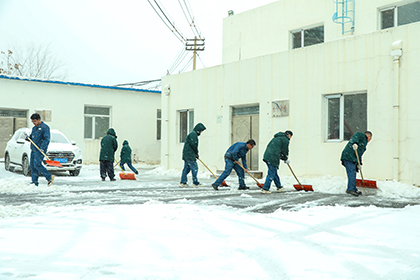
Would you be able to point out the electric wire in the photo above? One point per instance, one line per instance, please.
(191, 24)
(186, 65)
(187, 5)
(202, 63)
(180, 37)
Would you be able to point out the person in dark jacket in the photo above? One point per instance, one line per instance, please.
(358, 142)
(125, 157)
(109, 145)
(40, 135)
(233, 154)
(277, 149)
(190, 155)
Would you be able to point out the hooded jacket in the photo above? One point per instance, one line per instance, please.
(349, 154)
(190, 149)
(125, 154)
(109, 145)
(277, 149)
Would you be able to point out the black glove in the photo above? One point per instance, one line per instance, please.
(196, 156)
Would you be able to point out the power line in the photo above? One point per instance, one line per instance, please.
(190, 19)
(202, 63)
(187, 5)
(174, 30)
(142, 83)
(186, 65)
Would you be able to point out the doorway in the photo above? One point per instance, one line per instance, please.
(245, 126)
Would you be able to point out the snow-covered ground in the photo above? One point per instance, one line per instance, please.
(44, 237)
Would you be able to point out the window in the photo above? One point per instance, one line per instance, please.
(186, 124)
(97, 120)
(400, 15)
(346, 114)
(158, 124)
(307, 37)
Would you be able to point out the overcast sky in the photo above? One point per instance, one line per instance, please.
(112, 42)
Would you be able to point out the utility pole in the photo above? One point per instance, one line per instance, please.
(197, 45)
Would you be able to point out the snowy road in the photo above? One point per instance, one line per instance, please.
(88, 189)
(83, 228)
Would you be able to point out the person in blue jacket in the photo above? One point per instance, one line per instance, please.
(40, 135)
(358, 142)
(233, 154)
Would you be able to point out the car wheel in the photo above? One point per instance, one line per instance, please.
(25, 166)
(7, 162)
(75, 172)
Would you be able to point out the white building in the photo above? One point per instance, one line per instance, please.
(84, 113)
(289, 65)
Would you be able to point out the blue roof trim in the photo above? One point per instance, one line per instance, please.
(77, 84)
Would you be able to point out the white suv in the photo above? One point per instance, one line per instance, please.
(18, 152)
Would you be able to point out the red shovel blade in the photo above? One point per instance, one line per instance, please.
(298, 187)
(53, 163)
(368, 184)
(225, 184)
(260, 185)
(127, 176)
(305, 188)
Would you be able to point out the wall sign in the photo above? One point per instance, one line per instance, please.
(280, 108)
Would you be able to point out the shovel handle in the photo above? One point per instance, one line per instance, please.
(207, 168)
(358, 161)
(37, 147)
(237, 162)
(294, 175)
(119, 166)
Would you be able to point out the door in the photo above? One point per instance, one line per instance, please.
(245, 126)
(6, 132)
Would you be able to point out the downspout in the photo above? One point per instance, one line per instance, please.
(165, 114)
(396, 54)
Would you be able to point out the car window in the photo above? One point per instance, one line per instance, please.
(21, 135)
(58, 138)
(17, 135)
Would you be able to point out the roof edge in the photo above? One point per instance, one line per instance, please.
(76, 84)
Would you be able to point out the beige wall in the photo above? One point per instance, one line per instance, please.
(133, 113)
(266, 30)
(304, 76)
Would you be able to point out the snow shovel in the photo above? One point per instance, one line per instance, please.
(258, 183)
(48, 161)
(223, 183)
(364, 183)
(125, 176)
(300, 187)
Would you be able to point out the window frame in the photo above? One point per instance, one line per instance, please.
(94, 116)
(190, 124)
(395, 8)
(302, 36)
(341, 97)
(341, 133)
(159, 124)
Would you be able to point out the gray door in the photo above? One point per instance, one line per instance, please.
(245, 126)
(6, 132)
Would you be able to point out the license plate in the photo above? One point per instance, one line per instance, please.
(61, 160)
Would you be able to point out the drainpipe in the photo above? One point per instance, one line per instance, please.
(396, 54)
(165, 115)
